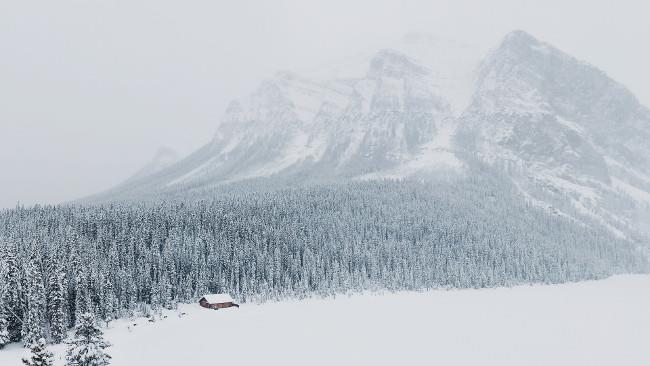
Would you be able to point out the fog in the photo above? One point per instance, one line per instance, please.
(89, 90)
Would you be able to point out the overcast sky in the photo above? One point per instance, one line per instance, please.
(89, 90)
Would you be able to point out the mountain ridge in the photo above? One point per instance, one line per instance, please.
(570, 137)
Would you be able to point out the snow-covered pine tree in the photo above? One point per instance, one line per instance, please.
(4, 332)
(12, 299)
(109, 302)
(82, 297)
(39, 354)
(56, 305)
(33, 326)
(87, 348)
(166, 293)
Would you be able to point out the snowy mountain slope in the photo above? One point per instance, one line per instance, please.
(386, 114)
(346, 127)
(561, 126)
(164, 157)
(572, 139)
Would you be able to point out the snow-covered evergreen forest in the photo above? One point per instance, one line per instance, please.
(119, 259)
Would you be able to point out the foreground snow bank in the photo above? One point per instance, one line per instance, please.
(590, 323)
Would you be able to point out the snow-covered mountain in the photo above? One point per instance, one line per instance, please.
(348, 127)
(384, 114)
(572, 139)
(569, 135)
(163, 158)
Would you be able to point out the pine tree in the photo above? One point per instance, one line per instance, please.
(40, 356)
(56, 306)
(109, 302)
(33, 327)
(12, 297)
(88, 345)
(82, 296)
(4, 331)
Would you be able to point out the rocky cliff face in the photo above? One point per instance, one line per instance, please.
(560, 126)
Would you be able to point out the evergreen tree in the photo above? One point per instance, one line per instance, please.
(56, 306)
(12, 297)
(4, 332)
(87, 348)
(112, 260)
(39, 355)
(33, 326)
(82, 296)
(109, 302)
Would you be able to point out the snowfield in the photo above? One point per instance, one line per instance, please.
(603, 322)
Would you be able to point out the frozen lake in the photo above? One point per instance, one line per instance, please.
(590, 323)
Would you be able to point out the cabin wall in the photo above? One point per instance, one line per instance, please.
(221, 305)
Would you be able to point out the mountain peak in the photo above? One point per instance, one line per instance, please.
(519, 36)
(521, 43)
(391, 63)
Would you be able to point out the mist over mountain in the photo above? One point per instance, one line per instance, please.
(571, 139)
(163, 158)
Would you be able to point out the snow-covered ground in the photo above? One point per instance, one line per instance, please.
(590, 323)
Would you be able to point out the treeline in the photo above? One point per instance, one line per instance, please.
(115, 260)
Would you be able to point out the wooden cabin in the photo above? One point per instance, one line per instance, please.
(217, 301)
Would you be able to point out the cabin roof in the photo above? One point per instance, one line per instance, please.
(218, 298)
